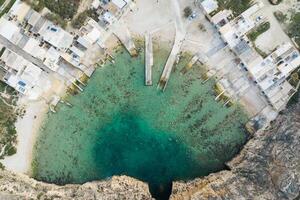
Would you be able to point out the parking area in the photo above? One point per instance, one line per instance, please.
(275, 36)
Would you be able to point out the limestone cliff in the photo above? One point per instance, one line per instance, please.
(15, 186)
(267, 168)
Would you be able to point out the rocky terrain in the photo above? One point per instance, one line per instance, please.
(267, 168)
(19, 187)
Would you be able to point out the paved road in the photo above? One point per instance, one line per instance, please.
(16, 49)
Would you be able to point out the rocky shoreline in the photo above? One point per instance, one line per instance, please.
(267, 168)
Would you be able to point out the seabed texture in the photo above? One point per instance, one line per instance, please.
(119, 126)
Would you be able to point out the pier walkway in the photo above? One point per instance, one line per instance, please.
(179, 38)
(148, 59)
(171, 61)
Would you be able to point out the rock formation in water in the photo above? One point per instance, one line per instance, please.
(267, 168)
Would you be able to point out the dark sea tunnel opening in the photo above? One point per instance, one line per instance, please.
(161, 191)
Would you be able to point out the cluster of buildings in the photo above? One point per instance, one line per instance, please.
(270, 74)
(33, 46)
(110, 11)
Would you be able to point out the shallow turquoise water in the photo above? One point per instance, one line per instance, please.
(119, 126)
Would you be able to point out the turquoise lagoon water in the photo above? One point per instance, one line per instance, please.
(118, 126)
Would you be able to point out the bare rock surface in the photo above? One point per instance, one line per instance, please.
(16, 186)
(268, 168)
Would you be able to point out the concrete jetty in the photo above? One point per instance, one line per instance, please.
(171, 61)
(148, 59)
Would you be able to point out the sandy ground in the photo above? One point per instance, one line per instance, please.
(275, 36)
(27, 128)
(28, 125)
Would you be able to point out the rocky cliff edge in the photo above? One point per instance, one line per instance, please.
(267, 168)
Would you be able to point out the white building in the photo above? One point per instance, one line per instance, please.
(120, 3)
(22, 75)
(271, 74)
(8, 29)
(209, 6)
(52, 59)
(92, 33)
(56, 36)
(33, 48)
(19, 10)
(221, 18)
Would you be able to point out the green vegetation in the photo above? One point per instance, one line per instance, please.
(62, 10)
(81, 18)
(1, 2)
(237, 6)
(275, 2)
(66, 9)
(10, 149)
(56, 19)
(294, 99)
(280, 16)
(8, 118)
(187, 11)
(259, 30)
(294, 81)
(202, 27)
(2, 51)
(7, 8)
(259, 51)
(294, 28)
(1, 167)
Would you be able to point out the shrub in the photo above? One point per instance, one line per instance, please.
(237, 6)
(66, 9)
(259, 30)
(187, 11)
(56, 19)
(80, 19)
(294, 28)
(280, 16)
